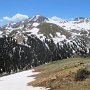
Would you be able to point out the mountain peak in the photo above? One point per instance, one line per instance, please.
(39, 18)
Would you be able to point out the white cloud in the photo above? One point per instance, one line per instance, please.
(16, 17)
(6, 18)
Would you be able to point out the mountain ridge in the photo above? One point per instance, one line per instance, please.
(39, 40)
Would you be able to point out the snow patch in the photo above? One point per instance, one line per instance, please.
(1, 32)
(19, 81)
(58, 39)
(34, 31)
(57, 19)
(35, 24)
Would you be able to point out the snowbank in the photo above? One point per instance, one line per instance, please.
(18, 81)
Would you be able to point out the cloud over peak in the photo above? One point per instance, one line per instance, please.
(16, 17)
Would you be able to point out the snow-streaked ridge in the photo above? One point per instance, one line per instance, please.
(70, 24)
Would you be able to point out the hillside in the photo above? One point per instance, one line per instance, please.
(50, 29)
(60, 75)
(38, 40)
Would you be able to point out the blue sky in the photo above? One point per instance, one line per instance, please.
(59, 8)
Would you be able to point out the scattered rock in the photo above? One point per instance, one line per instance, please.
(53, 78)
(82, 74)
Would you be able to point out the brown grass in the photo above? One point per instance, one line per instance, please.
(59, 75)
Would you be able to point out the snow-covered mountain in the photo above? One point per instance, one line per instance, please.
(51, 28)
(43, 28)
(75, 25)
(39, 39)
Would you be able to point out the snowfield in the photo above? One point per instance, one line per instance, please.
(19, 81)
